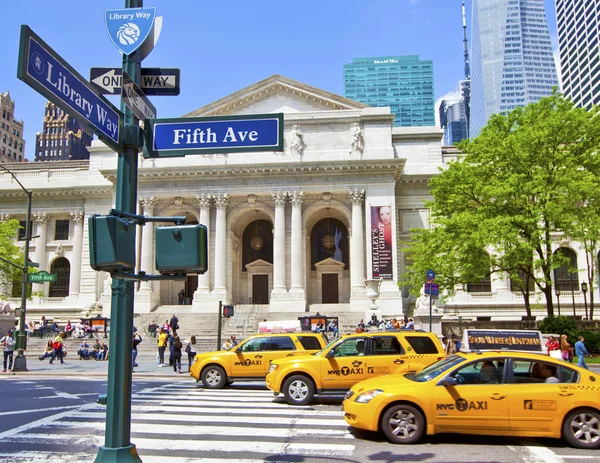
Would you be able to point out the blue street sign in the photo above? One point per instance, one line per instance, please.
(128, 28)
(430, 275)
(44, 70)
(432, 288)
(218, 134)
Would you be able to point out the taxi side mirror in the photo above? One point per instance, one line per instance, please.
(449, 381)
(238, 350)
(330, 354)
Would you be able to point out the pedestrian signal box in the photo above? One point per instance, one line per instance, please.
(227, 311)
(112, 243)
(181, 249)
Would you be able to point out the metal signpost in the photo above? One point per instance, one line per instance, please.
(429, 287)
(219, 134)
(153, 81)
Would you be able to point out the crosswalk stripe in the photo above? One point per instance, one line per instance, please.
(62, 457)
(236, 411)
(191, 396)
(281, 420)
(203, 430)
(200, 402)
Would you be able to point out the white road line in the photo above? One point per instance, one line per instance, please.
(229, 398)
(200, 446)
(204, 403)
(210, 429)
(51, 409)
(579, 457)
(535, 453)
(283, 420)
(236, 411)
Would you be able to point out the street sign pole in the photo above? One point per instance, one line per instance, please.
(117, 440)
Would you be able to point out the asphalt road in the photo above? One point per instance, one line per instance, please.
(175, 420)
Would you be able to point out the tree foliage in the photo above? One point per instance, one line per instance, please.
(516, 189)
(8, 248)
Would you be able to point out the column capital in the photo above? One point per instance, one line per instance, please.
(41, 217)
(357, 196)
(77, 217)
(5, 217)
(148, 203)
(279, 197)
(296, 198)
(203, 199)
(221, 199)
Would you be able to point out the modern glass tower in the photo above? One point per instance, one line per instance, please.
(511, 57)
(578, 29)
(404, 83)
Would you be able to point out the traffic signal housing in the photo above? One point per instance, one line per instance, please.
(228, 311)
(112, 243)
(181, 249)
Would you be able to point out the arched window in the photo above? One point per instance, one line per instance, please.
(329, 238)
(60, 287)
(257, 242)
(517, 282)
(484, 285)
(563, 280)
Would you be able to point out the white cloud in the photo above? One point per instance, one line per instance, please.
(450, 96)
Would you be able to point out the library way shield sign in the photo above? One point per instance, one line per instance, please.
(128, 28)
(209, 135)
(44, 70)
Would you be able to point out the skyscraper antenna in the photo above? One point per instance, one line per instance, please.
(465, 44)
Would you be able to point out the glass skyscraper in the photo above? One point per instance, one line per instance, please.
(578, 29)
(404, 83)
(511, 57)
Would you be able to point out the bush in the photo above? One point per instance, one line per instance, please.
(592, 341)
(559, 325)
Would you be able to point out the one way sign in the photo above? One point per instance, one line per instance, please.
(154, 81)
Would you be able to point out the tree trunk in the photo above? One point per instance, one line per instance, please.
(547, 290)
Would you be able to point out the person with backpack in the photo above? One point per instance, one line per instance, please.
(8, 342)
(57, 344)
(136, 340)
(176, 354)
(190, 350)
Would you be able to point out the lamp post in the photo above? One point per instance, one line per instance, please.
(20, 361)
(572, 293)
(584, 288)
(557, 292)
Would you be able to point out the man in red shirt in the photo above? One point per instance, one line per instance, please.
(552, 344)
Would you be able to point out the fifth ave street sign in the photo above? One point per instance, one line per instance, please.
(208, 135)
(153, 81)
(44, 70)
(41, 277)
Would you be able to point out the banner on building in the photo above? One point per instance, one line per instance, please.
(381, 242)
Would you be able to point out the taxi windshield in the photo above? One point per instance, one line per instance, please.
(436, 369)
(320, 353)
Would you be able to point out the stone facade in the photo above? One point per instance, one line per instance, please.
(12, 144)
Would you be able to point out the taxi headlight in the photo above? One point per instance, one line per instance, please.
(273, 368)
(366, 397)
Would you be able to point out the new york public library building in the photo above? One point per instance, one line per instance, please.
(290, 231)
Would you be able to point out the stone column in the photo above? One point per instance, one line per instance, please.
(148, 203)
(357, 240)
(41, 220)
(279, 242)
(204, 201)
(220, 242)
(296, 199)
(75, 278)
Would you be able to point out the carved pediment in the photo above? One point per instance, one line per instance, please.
(330, 264)
(277, 94)
(259, 265)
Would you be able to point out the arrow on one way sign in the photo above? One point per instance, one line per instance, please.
(154, 81)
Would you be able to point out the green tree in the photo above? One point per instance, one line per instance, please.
(9, 251)
(511, 193)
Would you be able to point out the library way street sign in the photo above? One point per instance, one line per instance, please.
(153, 81)
(208, 135)
(44, 70)
(41, 277)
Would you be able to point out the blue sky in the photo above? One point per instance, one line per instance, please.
(224, 46)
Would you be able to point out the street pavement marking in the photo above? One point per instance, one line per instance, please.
(202, 403)
(210, 429)
(192, 396)
(48, 457)
(236, 411)
(35, 410)
(281, 420)
(531, 453)
(581, 457)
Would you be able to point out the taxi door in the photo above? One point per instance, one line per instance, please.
(386, 356)
(250, 361)
(534, 400)
(345, 364)
(278, 347)
(478, 402)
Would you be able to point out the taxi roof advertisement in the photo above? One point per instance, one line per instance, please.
(518, 340)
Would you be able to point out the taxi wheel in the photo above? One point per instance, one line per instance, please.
(403, 424)
(581, 428)
(214, 377)
(298, 390)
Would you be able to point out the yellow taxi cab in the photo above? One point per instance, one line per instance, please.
(249, 361)
(351, 359)
(488, 393)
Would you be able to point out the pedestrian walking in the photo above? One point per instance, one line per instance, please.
(565, 349)
(162, 344)
(57, 344)
(190, 349)
(181, 297)
(174, 322)
(581, 352)
(176, 354)
(136, 340)
(8, 342)
(233, 341)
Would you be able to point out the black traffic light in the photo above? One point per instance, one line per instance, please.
(227, 311)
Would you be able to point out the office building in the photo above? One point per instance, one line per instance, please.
(512, 63)
(578, 41)
(453, 116)
(62, 138)
(12, 147)
(404, 83)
